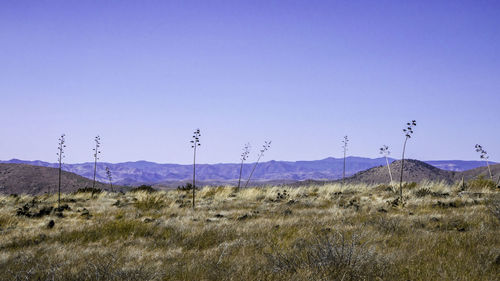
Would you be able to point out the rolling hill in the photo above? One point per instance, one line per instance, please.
(414, 171)
(29, 179)
(417, 171)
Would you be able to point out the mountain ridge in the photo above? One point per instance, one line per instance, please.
(146, 172)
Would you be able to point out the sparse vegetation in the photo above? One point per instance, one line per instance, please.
(327, 232)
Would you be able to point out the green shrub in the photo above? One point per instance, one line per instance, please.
(143, 188)
(186, 187)
(89, 190)
(422, 192)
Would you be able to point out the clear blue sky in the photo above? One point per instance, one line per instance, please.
(145, 74)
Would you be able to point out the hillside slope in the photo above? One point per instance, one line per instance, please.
(495, 171)
(414, 171)
(29, 179)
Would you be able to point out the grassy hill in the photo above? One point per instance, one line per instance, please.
(29, 179)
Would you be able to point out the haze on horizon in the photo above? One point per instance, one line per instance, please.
(144, 75)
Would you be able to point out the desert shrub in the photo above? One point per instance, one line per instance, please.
(89, 190)
(481, 182)
(150, 202)
(409, 185)
(390, 225)
(186, 187)
(422, 192)
(384, 188)
(143, 188)
(94, 266)
(330, 257)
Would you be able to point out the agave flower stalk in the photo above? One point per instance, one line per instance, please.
(195, 142)
(384, 150)
(344, 147)
(96, 150)
(110, 178)
(244, 157)
(408, 132)
(484, 155)
(60, 156)
(265, 147)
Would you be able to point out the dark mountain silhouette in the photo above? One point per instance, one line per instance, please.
(29, 179)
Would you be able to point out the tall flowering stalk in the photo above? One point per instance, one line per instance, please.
(60, 156)
(265, 147)
(195, 142)
(244, 157)
(408, 132)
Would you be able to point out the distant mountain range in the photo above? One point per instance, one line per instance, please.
(143, 172)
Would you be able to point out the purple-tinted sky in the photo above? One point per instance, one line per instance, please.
(145, 74)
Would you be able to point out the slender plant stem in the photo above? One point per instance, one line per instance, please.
(489, 170)
(343, 171)
(59, 185)
(389, 168)
(254, 166)
(402, 166)
(194, 172)
(95, 165)
(241, 169)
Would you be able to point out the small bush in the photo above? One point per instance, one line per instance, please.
(149, 203)
(409, 185)
(186, 187)
(143, 188)
(422, 192)
(89, 190)
(384, 188)
(331, 257)
(481, 182)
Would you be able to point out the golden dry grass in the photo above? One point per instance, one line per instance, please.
(329, 232)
